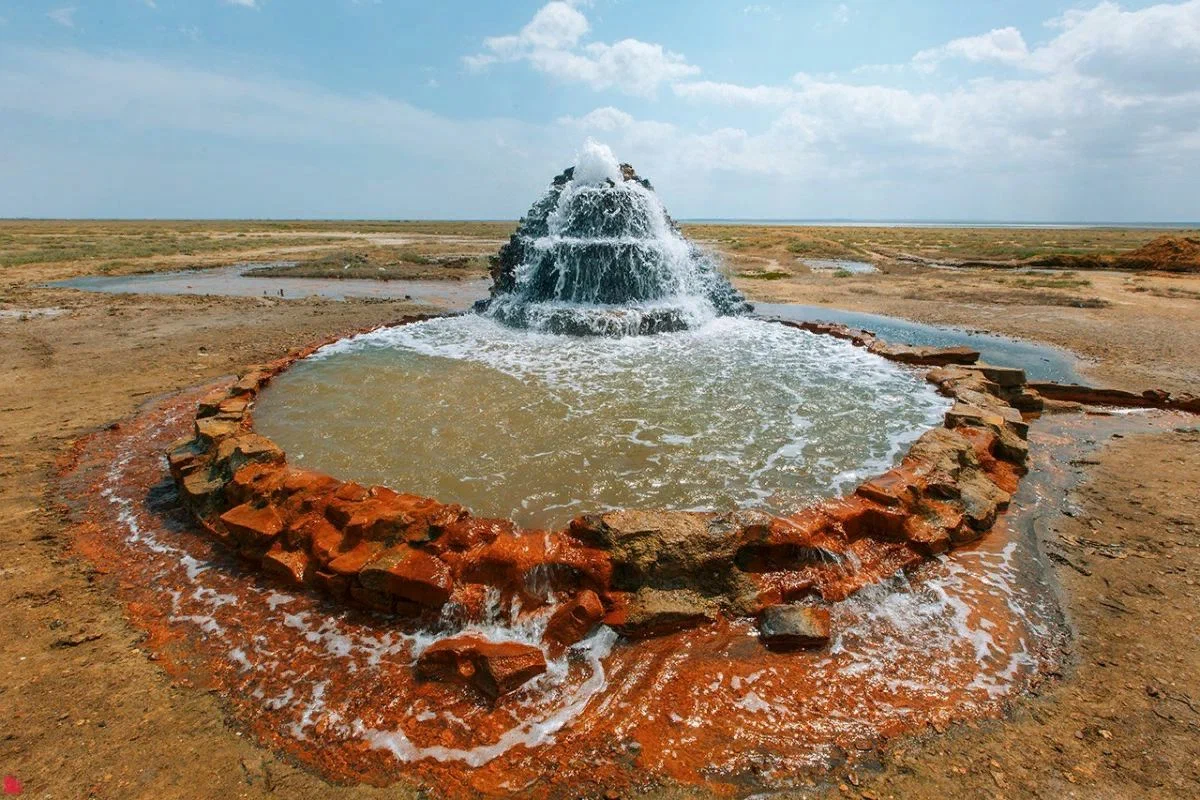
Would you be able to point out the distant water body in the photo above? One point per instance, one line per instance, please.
(927, 223)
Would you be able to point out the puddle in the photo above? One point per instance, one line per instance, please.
(835, 264)
(233, 281)
(1041, 362)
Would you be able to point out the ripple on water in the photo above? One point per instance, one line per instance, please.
(738, 413)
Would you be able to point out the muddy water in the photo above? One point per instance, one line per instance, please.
(240, 280)
(709, 708)
(541, 428)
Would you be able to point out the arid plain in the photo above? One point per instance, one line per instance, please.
(88, 712)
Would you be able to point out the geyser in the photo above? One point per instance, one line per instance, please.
(598, 254)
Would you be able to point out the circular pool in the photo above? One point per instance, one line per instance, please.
(542, 427)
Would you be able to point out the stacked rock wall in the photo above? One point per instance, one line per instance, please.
(642, 572)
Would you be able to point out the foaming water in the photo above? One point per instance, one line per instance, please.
(598, 254)
(956, 639)
(541, 427)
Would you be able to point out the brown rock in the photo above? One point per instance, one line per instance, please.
(200, 490)
(253, 527)
(1002, 376)
(410, 574)
(895, 487)
(210, 404)
(212, 429)
(793, 626)
(494, 668)
(665, 549)
(186, 458)
(254, 481)
(250, 383)
(353, 559)
(652, 612)
(573, 620)
(292, 566)
(248, 448)
(930, 356)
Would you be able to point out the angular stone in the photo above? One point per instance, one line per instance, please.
(352, 560)
(665, 549)
(254, 482)
(1002, 376)
(210, 404)
(652, 612)
(248, 448)
(211, 429)
(893, 488)
(250, 383)
(291, 566)
(337, 586)
(326, 541)
(573, 620)
(410, 574)
(200, 490)
(794, 626)
(1026, 400)
(981, 501)
(234, 406)
(253, 527)
(929, 356)
(928, 537)
(186, 458)
(494, 668)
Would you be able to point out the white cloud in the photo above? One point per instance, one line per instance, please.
(733, 94)
(243, 3)
(841, 14)
(63, 16)
(551, 44)
(1002, 45)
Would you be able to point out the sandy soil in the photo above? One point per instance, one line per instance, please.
(87, 713)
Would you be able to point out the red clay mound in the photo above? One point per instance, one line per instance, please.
(1167, 253)
(1164, 254)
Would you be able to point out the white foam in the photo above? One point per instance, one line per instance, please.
(595, 163)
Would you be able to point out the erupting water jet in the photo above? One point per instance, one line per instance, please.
(597, 254)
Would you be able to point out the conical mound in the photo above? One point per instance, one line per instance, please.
(597, 254)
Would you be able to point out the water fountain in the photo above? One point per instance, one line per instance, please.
(598, 254)
(778, 607)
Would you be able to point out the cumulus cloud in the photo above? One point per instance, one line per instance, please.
(1002, 45)
(551, 44)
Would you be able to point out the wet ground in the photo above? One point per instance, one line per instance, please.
(954, 641)
(233, 281)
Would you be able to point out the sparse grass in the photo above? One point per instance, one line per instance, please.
(1060, 282)
(380, 263)
(842, 273)
(765, 275)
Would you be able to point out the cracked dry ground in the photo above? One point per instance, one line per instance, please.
(87, 713)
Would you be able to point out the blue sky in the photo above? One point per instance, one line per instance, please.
(1051, 111)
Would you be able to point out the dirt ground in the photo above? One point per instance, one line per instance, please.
(85, 712)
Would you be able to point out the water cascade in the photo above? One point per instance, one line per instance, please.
(597, 254)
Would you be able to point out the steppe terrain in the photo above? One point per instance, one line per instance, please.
(88, 713)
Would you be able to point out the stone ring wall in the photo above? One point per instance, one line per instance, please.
(641, 572)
